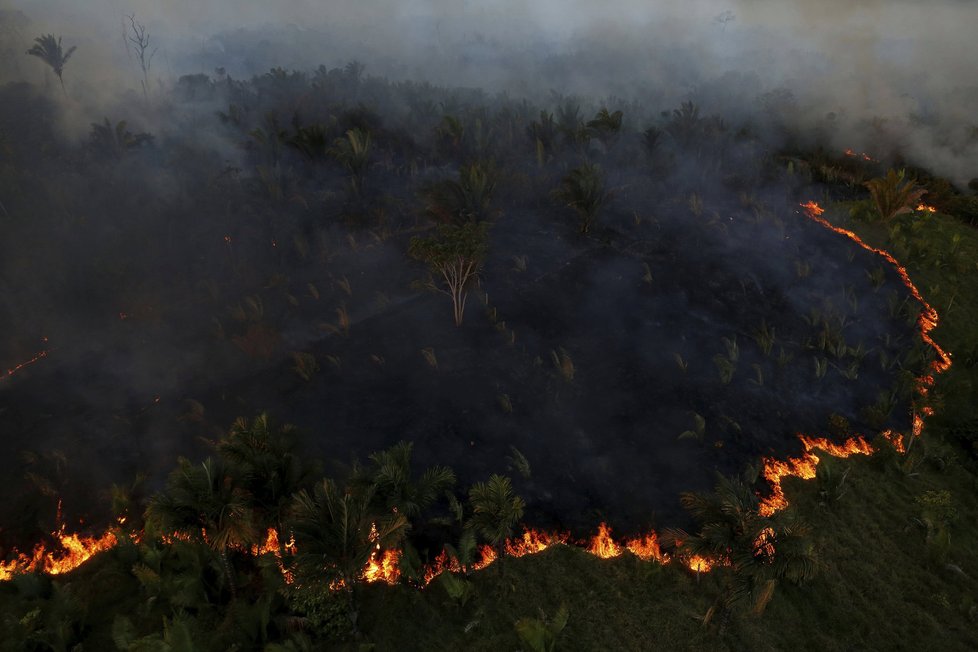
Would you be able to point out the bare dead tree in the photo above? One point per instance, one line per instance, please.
(138, 36)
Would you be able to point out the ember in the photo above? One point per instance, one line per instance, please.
(864, 156)
(11, 371)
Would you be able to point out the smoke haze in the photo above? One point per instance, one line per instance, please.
(139, 260)
(885, 76)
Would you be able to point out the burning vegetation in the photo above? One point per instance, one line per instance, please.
(590, 308)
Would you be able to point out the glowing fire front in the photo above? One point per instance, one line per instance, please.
(384, 565)
(804, 467)
(70, 552)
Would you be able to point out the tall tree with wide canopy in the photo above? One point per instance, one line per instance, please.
(455, 253)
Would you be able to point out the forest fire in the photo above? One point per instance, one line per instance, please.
(804, 467)
(813, 209)
(72, 551)
(699, 564)
(895, 439)
(928, 316)
(924, 208)
(532, 542)
(383, 567)
(764, 545)
(647, 548)
(602, 545)
(271, 544)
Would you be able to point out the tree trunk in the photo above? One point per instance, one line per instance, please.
(230, 574)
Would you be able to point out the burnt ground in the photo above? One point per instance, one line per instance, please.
(603, 445)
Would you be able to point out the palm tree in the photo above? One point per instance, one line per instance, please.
(266, 467)
(49, 51)
(450, 136)
(760, 551)
(116, 141)
(894, 194)
(395, 488)
(336, 532)
(464, 200)
(205, 504)
(543, 135)
(685, 124)
(353, 152)
(583, 190)
(495, 510)
(606, 127)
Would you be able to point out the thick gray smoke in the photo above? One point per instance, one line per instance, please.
(890, 77)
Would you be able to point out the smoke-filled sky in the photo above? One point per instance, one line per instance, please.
(887, 74)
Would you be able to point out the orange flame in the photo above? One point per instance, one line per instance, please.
(487, 556)
(602, 545)
(273, 545)
(895, 439)
(812, 208)
(73, 550)
(647, 548)
(383, 567)
(804, 467)
(764, 545)
(532, 542)
(924, 208)
(443, 562)
(699, 564)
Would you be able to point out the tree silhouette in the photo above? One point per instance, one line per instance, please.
(204, 503)
(464, 200)
(606, 127)
(115, 141)
(496, 509)
(894, 194)
(583, 190)
(266, 467)
(49, 51)
(456, 254)
(353, 152)
(139, 38)
(760, 551)
(396, 489)
(336, 532)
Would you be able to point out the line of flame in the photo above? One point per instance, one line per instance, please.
(383, 565)
(774, 471)
(72, 551)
